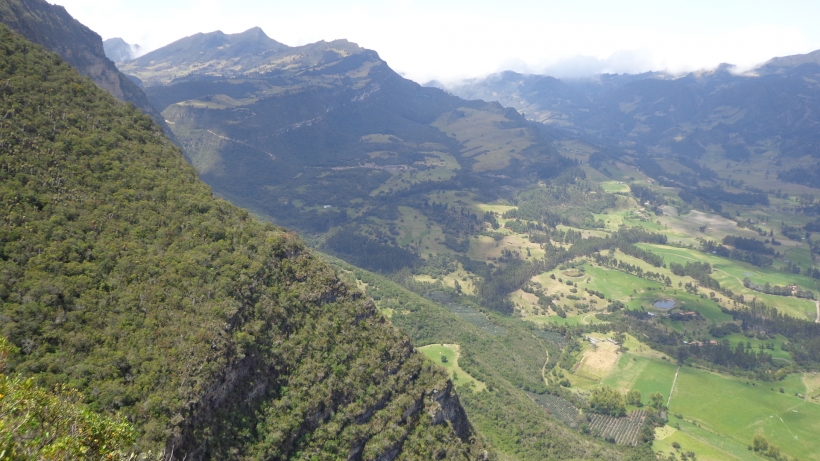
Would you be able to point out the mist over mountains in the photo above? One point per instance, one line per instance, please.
(117, 50)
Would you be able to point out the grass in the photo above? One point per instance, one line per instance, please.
(778, 344)
(435, 352)
(483, 137)
(705, 444)
(721, 404)
(655, 376)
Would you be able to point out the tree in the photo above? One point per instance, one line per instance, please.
(633, 397)
(40, 424)
(773, 451)
(607, 401)
(759, 443)
(656, 399)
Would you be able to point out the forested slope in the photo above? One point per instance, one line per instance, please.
(217, 336)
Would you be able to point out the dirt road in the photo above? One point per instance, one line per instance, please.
(817, 303)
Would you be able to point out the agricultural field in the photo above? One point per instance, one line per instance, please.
(783, 418)
(624, 430)
(714, 416)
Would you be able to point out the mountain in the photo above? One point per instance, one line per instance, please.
(382, 173)
(773, 111)
(326, 134)
(117, 50)
(52, 27)
(215, 54)
(215, 335)
(775, 64)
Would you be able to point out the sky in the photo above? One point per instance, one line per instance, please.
(452, 40)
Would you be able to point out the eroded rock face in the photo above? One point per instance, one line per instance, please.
(446, 408)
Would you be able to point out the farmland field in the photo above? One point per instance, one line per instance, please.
(624, 430)
(718, 420)
(784, 419)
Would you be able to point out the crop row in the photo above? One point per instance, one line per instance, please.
(623, 430)
(561, 408)
(555, 338)
(477, 318)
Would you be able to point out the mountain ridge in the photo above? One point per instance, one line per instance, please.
(52, 27)
(219, 55)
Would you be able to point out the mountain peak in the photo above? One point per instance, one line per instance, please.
(118, 50)
(256, 32)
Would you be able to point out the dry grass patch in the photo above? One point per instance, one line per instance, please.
(599, 359)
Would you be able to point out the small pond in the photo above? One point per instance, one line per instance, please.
(664, 304)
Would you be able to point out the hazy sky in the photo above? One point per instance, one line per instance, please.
(454, 39)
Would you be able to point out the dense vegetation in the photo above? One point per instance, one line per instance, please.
(216, 335)
(38, 424)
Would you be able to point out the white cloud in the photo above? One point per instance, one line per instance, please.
(431, 39)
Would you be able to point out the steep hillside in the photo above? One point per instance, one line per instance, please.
(52, 27)
(218, 336)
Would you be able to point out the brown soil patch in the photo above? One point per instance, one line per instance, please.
(598, 361)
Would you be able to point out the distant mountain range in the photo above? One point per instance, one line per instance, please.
(775, 108)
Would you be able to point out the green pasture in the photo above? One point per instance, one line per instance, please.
(435, 352)
(614, 283)
(737, 409)
(570, 320)
(639, 293)
(718, 419)
(614, 186)
(655, 375)
(731, 273)
(707, 445)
